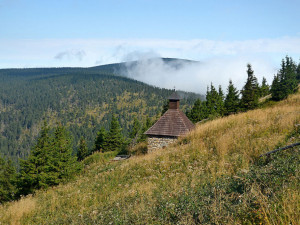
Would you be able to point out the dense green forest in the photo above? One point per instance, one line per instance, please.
(251, 96)
(82, 99)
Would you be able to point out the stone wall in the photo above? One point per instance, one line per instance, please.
(157, 142)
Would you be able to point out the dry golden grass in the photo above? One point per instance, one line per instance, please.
(17, 210)
(223, 146)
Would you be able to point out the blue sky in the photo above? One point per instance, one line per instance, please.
(166, 19)
(36, 33)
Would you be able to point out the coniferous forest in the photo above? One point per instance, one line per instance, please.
(53, 119)
(81, 99)
(252, 95)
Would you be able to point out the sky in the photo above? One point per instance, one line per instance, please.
(224, 35)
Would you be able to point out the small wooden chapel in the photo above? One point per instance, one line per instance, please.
(172, 124)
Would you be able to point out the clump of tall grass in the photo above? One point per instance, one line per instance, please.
(209, 176)
(139, 149)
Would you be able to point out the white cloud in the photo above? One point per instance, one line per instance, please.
(197, 76)
(70, 54)
(220, 60)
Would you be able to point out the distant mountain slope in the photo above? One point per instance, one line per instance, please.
(123, 68)
(81, 98)
(119, 69)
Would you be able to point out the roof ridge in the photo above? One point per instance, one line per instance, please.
(172, 123)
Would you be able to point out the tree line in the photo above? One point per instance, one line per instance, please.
(217, 104)
(80, 99)
(114, 140)
(52, 162)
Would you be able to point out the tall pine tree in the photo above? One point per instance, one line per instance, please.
(100, 142)
(264, 88)
(64, 162)
(211, 99)
(8, 180)
(220, 108)
(35, 171)
(50, 161)
(298, 73)
(198, 111)
(114, 138)
(285, 82)
(194, 115)
(214, 101)
(250, 94)
(232, 100)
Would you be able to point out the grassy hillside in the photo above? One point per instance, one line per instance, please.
(211, 176)
(83, 99)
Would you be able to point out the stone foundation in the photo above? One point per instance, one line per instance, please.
(157, 142)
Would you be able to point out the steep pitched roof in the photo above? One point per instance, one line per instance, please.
(172, 123)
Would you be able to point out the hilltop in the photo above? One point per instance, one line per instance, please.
(211, 176)
(82, 99)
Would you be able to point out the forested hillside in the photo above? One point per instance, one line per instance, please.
(82, 99)
(214, 175)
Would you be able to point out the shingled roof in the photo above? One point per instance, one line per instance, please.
(172, 123)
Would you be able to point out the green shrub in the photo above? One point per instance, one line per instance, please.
(139, 149)
(98, 157)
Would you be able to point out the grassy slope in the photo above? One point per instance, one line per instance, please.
(211, 176)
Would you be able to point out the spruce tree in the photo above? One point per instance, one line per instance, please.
(232, 100)
(298, 73)
(114, 138)
(100, 142)
(264, 90)
(249, 92)
(198, 111)
(289, 76)
(194, 115)
(220, 108)
(211, 99)
(214, 101)
(285, 82)
(276, 89)
(64, 163)
(35, 171)
(8, 180)
(50, 161)
(83, 151)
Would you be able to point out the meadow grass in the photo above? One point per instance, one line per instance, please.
(193, 181)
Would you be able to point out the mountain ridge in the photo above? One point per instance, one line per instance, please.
(81, 99)
(106, 67)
